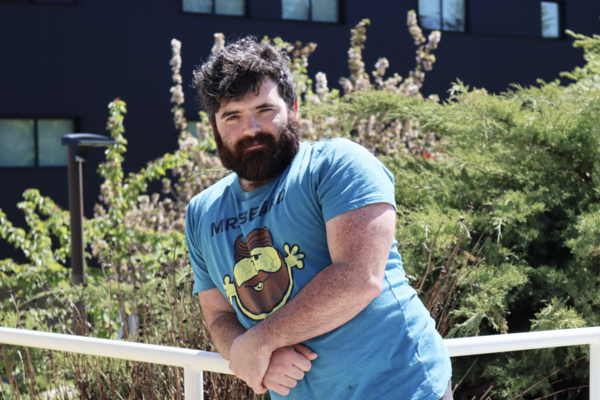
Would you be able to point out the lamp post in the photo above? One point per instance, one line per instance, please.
(79, 147)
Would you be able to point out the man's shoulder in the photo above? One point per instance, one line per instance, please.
(340, 152)
(331, 150)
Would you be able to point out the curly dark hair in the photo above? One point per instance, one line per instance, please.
(240, 67)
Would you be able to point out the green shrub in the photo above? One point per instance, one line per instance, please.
(522, 167)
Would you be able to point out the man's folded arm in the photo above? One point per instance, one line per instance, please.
(221, 320)
(359, 244)
(285, 366)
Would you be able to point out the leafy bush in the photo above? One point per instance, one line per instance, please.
(522, 167)
(156, 311)
(498, 219)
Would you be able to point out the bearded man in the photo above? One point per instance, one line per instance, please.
(294, 257)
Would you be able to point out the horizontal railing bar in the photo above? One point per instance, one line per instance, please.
(148, 353)
(521, 341)
(208, 361)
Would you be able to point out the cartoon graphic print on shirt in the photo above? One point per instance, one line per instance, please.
(262, 275)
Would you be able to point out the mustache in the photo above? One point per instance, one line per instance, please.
(261, 137)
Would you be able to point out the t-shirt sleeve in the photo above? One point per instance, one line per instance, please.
(349, 177)
(202, 279)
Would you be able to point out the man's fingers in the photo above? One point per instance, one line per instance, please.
(260, 389)
(301, 362)
(287, 367)
(306, 352)
(281, 380)
(295, 373)
(288, 362)
(280, 389)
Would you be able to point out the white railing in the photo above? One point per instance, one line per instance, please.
(530, 341)
(194, 362)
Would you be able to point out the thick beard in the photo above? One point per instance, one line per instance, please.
(264, 163)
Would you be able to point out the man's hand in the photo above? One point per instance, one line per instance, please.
(249, 361)
(280, 369)
(287, 367)
(263, 369)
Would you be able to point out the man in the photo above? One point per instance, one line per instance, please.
(295, 262)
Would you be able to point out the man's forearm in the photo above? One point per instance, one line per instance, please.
(332, 298)
(340, 291)
(223, 331)
(359, 243)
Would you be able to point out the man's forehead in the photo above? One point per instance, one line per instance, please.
(267, 89)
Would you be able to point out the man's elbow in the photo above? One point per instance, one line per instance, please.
(373, 288)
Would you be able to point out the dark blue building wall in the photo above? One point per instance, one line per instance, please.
(515, 18)
(65, 61)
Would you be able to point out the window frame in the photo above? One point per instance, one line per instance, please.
(340, 12)
(249, 4)
(441, 29)
(562, 26)
(76, 128)
(214, 6)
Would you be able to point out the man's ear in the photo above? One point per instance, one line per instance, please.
(295, 108)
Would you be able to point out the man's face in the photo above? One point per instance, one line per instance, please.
(258, 136)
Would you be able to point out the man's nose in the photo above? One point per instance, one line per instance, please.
(251, 126)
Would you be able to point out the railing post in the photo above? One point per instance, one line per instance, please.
(193, 383)
(595, 371)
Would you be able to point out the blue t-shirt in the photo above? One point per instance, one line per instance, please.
(261, 247)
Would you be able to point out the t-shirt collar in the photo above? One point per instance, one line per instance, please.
(252, 194)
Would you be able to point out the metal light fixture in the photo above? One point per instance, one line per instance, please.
(79, 147)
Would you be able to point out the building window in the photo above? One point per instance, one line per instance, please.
(219, 7)
(311, 10)
(33, 142)
(550, 19)
(446, 15)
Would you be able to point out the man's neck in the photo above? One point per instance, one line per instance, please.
(248, 186)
